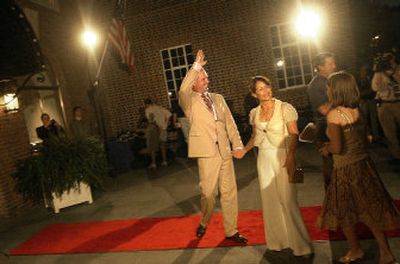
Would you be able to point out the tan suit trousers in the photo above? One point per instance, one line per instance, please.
(217, 172)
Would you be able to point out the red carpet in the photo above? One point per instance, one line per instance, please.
(157, 234)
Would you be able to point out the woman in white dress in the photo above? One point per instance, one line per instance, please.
(275, 134)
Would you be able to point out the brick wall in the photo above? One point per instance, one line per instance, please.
(14, 145)
(235, 37)
(59, 39)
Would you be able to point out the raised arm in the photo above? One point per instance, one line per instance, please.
(185, 90)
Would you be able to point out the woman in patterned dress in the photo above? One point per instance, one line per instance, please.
(356, 192)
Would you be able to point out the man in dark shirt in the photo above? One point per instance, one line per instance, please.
(324, 64)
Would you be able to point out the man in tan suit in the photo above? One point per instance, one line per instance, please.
(212, 130)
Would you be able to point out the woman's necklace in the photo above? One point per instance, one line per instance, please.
(266, 112)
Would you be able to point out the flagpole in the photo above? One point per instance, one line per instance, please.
(93, 95)
(119, 12)
(101, 61)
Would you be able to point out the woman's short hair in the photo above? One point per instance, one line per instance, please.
(255, 79)
(344, 90)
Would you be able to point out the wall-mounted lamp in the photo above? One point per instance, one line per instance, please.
(10, 103)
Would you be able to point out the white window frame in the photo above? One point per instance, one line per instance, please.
(172, 68)
(281, 46)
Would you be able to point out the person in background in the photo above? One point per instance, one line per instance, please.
(387, 90)
(80, 127)
(393, 60)
(49, 128)
(158, 116)
(179, 119)
(324, 64)
(249, 103)
(356, 192)
(212, 131)
(368, 103)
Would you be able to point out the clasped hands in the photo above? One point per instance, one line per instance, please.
(239, 153)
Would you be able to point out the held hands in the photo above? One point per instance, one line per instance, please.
(200, 58)
(238, 153)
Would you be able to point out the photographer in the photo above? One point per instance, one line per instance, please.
(49, 128)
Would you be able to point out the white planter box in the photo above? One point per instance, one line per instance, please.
(80, 194)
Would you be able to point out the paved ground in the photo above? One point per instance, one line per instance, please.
(173, 191)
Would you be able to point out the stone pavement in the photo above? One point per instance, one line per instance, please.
(173, 191)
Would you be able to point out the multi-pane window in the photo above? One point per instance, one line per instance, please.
(291, 57)
(176, 62)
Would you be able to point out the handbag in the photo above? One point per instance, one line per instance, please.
(297, 176)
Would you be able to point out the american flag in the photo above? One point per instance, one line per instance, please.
(119, 40)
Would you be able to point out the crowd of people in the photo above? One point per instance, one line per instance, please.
(349, 113)
(354, 190)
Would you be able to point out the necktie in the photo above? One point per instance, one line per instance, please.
(207, 101)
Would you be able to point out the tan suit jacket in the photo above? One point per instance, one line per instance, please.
(205, 132)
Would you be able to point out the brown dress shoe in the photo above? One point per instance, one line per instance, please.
(238, 238)
(200, 231)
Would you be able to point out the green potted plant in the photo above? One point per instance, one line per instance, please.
(64, 167)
